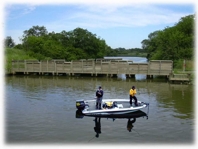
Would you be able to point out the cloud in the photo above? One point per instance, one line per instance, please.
(93, 15)
(17, 11)
(29, 9)
(105, 16)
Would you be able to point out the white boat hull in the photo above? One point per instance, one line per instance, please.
(119, 110)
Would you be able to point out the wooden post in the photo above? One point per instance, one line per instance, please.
(101, 66)
(25, 67)
(32, 66)
(71, 68)
(55, 69)
(118, 67)
(184, 65)
(18, 65)
(109, 66)
(148, 72)
(160, 68)
(93, 66)
(82, 65)
(39, 68)
(47, 65)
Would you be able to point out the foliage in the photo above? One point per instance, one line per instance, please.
(14, 54)
(9, 42)
(173, 43)
(72, 45)
(179, 65)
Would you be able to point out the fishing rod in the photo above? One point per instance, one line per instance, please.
(91, 139)
(136, 132)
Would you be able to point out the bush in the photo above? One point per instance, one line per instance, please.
(179, 65)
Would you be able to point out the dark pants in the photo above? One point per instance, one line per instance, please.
(98, 102)
(133, 97)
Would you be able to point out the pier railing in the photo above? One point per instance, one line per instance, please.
(93, 67)
(179, 77)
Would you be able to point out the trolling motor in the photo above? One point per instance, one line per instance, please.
(80, 104)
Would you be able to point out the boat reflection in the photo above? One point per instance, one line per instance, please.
(131, 119)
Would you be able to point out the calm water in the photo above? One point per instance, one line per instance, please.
(42, 110)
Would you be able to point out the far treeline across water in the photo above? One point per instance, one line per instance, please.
(174, 43)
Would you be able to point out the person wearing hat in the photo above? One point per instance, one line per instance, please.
(99, 95)
(132, 93)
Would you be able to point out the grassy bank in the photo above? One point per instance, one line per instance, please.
(181, 65)
(14, 54)
(185, 67)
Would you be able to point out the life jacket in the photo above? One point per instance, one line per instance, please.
(132, 92)
(109, 103)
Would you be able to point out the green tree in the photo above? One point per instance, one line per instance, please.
(9, 42)
(87, 42)
(76, 44)
(172, 43)
(35, 31)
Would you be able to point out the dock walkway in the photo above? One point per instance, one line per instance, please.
(94, 67)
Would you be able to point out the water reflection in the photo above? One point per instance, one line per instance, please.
(38, 105)
(169, 96)
(130, 117)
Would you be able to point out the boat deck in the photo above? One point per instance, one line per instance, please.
(92, 105)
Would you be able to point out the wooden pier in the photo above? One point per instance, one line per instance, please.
(179, 77)
(108, 67)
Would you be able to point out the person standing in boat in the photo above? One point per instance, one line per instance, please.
(132, 93)
(99, 95)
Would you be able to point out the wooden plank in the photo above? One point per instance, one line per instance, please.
(159, 67)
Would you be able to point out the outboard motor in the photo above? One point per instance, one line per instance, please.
(80, 104)
(79, 114)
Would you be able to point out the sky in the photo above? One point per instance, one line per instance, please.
(120, 23)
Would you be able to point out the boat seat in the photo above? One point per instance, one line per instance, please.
(119, 105)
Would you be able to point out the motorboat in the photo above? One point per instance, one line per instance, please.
(134, 114)
(109, 107)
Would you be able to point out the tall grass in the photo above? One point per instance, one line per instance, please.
(179, 65)
(14, 54)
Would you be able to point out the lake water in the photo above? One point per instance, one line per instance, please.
(41, 110)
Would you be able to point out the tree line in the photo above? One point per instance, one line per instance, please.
(72, 45)
(172, 43)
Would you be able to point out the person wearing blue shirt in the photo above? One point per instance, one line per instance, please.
(99, 95)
